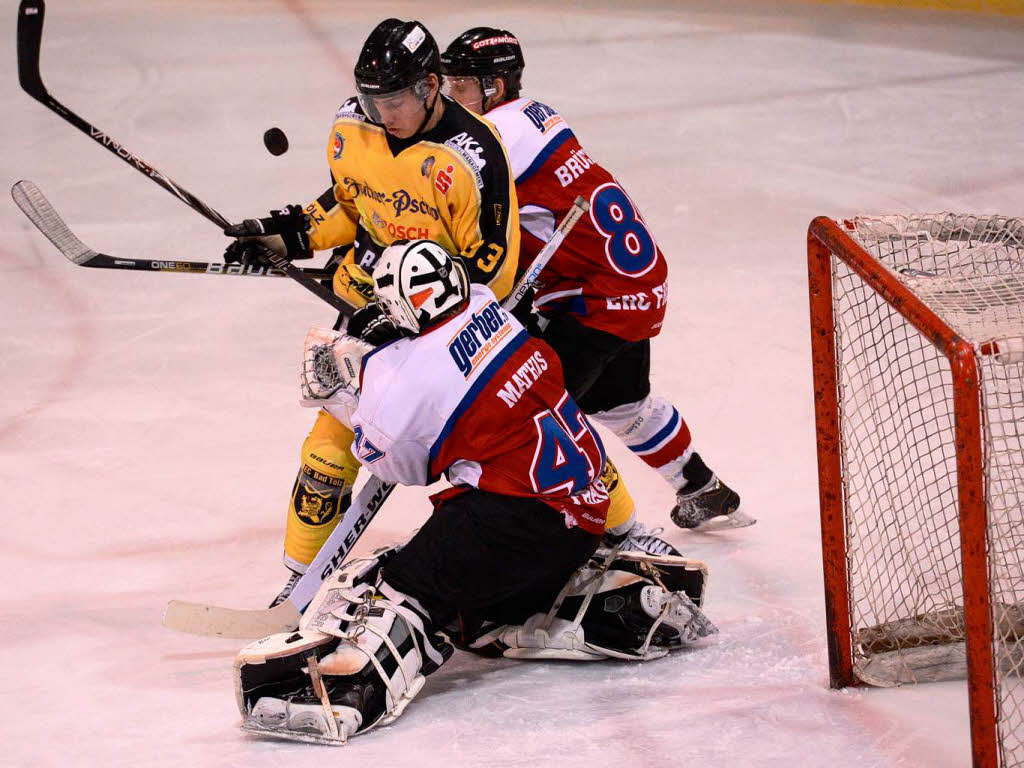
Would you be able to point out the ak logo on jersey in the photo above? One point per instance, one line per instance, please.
(543, 117)
(471, 152)
(339, 145)
(478, 336)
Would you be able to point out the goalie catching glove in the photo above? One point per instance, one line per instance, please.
(331, 365)
(285, 232)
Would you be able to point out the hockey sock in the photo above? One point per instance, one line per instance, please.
(653, 429)
(322, 490)
(621, 509)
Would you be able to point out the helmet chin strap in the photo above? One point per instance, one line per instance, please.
(429, 112)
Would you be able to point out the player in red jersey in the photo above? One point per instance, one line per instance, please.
(604, 294)
(503, 566)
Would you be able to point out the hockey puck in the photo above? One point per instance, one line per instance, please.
(275, 141)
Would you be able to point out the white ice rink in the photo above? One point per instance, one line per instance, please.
(149, 425)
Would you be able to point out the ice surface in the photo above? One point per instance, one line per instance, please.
(149, 428)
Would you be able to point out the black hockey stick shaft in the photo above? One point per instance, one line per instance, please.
(30, 35)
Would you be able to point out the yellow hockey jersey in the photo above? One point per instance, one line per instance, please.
(452, 184)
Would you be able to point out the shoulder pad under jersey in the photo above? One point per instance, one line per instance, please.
(527, 127)
(350, 110)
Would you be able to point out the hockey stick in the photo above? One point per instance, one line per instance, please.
(213, 621)
(33, 203)
(210, 620)
(30, 35)
(529, 277)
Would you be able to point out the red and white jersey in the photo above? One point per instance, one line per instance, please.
(609, 270)
(480, 400)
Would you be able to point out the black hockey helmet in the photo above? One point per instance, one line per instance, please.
(397, 54)
(486, 52)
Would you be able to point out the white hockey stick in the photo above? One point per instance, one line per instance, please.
(529, 278)
(214, 621)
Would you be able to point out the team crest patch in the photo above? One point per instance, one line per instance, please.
(378, 221)
(339, 145)
(314, 508)
(427, 167)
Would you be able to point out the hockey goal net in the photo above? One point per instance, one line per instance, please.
(917, 329)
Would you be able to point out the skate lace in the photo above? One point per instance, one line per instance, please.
(648, 540)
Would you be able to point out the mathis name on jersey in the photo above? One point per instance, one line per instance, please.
(523, 379)
(478, 336)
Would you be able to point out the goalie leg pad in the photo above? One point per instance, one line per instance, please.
(322, 490)
(360, 656)
(616, 606)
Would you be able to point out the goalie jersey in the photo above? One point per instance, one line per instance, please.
(478, 399)
(609, 271)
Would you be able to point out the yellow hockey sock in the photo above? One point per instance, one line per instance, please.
(322, 491)
(621, 508)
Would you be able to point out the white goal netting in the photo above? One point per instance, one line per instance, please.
(899, 451)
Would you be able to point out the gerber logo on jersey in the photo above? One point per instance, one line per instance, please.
(339, 145)
(543, 117)
(478, 336)
(471, 151)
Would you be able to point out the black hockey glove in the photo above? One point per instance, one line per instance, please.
(285, 232)
(370, 325)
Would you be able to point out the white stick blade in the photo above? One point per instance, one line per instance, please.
(213, 621)
(37, 208)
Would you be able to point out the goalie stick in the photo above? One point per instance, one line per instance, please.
(30, 35)
(211, 620)
(214, 621)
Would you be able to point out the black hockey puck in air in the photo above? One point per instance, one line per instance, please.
(275, 141)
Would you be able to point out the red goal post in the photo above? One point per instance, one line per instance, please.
(902, 356)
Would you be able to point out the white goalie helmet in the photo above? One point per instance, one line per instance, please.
(417, 281)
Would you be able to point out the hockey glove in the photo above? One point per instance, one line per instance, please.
(285, 232)
(370, 325)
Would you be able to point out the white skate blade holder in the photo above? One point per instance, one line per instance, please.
(738, 519)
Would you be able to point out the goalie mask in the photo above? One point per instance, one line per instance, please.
(417, 282)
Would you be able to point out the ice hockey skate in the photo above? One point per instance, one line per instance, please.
(715, 507)
(639, 538)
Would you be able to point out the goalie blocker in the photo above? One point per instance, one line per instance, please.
(364, 648)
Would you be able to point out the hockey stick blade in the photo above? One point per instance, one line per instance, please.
(33, 203)
(214, 621)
